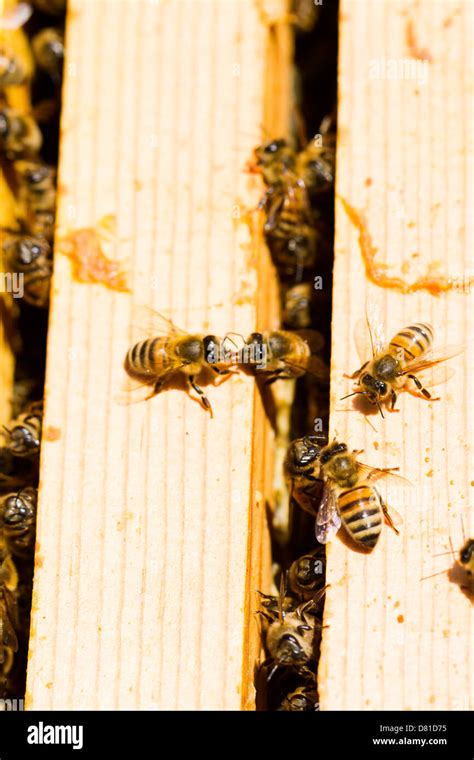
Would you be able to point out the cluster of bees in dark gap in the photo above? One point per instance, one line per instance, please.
(298, 207)
(29, 139)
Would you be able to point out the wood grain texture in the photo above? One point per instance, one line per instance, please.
(151, 524)
(405, 159)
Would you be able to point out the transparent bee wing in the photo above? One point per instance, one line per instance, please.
(147, 322)
(389, 477)
(429, 366)
(313, 365)
(328, 521)
(375, 326)
(313, 338)
(395, 517)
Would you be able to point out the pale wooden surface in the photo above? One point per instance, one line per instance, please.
(394, 641)
(149, 515)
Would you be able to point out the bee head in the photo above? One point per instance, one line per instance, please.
(466, 555)
(29, 250)
(309, 570)
(289, 651)
(268, 151)
(18, 509)
(256, 344)
(304, 451)
(212, 346)
(329, 452)
(375, 390)
(23, 440)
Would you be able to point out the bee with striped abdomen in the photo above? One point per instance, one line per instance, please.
(173, 351)
(31, 257)
(18, 521)
(349, 496)
(24, 433)
(401, 365)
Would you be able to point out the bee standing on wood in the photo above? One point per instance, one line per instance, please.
(172, 351)
(281, 354)
(349, 496)
(400, 365)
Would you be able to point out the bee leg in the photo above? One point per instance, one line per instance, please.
(156, 389)
(357, 373)
(393, 401)
(204, 400)
(387, 515)
(425, 393)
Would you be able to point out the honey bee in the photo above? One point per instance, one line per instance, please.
(398, 366)
(281, 354)
(306, 576)
(349, 497)
(289, 636)
(31, 257)
(302, 699)
(19, 134)
(24, 435)
(275, 160)
(291, 230)
(302, 471)
(18, 521)
(8, 613)
(12, 71)
(315, 165)
(173, 351)
(37, 191)
(297, 306)
(48, 50)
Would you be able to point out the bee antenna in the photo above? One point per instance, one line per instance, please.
(462, 528)
(452, 550)
(356, 393)
(7, 430)
(380, 410)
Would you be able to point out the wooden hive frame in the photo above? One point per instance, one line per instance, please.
(151, 536)
(396, 641)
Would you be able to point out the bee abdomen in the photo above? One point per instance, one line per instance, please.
(414, 341)
(146, 357)
(360, 511)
